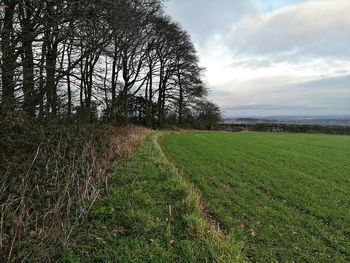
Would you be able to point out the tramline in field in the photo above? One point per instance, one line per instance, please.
(285, 196)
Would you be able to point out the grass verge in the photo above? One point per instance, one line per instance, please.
(150, 214)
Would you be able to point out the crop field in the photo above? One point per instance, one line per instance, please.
(149, 214)
(286, 197)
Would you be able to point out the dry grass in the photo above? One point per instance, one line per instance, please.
(50, 175)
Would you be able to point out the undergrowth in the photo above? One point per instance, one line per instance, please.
(50, 174)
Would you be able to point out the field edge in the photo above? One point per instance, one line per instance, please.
(188, 236)
(217, 226)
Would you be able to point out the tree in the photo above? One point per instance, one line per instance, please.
(63, 58)
(9, 56)
(207, 116)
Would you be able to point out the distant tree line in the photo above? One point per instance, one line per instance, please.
(286, 127)
(117, 61)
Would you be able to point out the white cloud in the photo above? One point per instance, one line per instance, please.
(207, 18)
(313, 28)
(286, 61)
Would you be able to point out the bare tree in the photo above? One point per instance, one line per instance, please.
(82, 58)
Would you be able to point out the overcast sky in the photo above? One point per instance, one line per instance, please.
(272, 57)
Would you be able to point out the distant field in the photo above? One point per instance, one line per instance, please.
(286, 196)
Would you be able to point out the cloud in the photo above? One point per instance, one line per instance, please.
(336, 83)
(206, 18)
(275, 97)
(272, 57)
(313, 28)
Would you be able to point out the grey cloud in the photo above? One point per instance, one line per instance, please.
(253, 63)
(308, 40)
(339, 82)
(321, 96)
(315, 28)
(260, 107)
(287, 110)
(205, 18)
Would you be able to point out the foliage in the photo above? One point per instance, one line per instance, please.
(48, 171)
(284, 195)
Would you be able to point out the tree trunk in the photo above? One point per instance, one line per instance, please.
(114, 86)
(89, 94)
(50, 77)
(149, 111)
(8, 57)
(105, 89)
(126, 104)
(181, 99)
(29, 104)
(160, 96)
(163, 108)
(69, 90)
(126, 79)
(82, 80)
(51, 57)
(41, 79)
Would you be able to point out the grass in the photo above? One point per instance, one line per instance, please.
(49, 171)
(286, 196)
(150, 214)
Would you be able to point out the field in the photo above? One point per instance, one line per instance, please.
(150, 214)
(285, 196)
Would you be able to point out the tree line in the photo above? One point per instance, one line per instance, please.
(117, 61)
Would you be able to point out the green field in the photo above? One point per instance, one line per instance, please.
(286, 196)
(150, 214)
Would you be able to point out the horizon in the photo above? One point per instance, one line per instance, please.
(287, 116)
(272, 57)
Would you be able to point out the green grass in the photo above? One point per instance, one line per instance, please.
(286, 196)
(150, 214)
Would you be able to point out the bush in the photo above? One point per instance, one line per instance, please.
(49, 173)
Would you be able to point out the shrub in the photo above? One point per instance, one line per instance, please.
(50, 174)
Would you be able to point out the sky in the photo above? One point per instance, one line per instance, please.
(272, 57)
